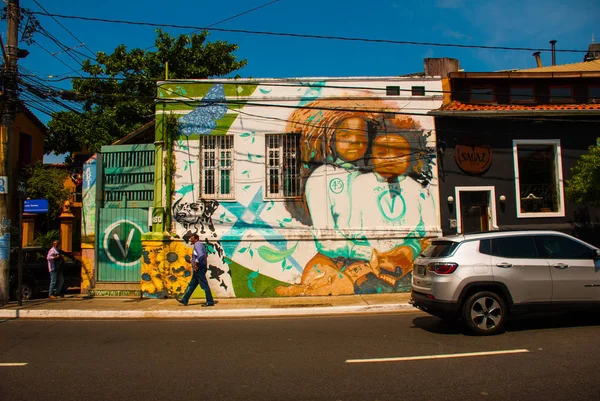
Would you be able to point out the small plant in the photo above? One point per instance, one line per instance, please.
(45, 240)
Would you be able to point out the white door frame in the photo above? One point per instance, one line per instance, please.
(492, 192)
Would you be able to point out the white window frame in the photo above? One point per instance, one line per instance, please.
(492, 192)
(559, 177)
(280, 164)
(217, 168)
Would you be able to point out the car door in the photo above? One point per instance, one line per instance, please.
(36, 266)
(517, 263)
(574, 266)
(72, 270)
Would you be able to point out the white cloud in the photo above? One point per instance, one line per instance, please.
(450, 33)
(530, 23)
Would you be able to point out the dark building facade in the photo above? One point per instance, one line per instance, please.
(507, 142)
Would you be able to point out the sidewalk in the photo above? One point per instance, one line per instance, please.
(82, 307)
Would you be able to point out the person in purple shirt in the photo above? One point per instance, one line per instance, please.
(56, 275)
(199, 269)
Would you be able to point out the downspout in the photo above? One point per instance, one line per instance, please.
(158, 211)
(170, 127)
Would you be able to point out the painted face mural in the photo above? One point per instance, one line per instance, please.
(345, 214)
(391, 155)
(351, 139)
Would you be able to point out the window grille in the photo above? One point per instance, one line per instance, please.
(392, 90)
(217, 167)
(417, 90)
(283, 165)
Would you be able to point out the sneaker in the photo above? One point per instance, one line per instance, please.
(52, 296)
(181, 302)
(208, 304)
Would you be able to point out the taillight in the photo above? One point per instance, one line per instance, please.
(442, 268)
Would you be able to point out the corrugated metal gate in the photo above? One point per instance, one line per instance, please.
(127, 173)
(120, 244)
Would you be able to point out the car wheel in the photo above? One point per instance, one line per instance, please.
(27, 289)
(484, 313)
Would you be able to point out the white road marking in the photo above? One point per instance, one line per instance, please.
(12, 364)
(443, 356)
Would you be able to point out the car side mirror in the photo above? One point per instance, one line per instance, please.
(596, 254)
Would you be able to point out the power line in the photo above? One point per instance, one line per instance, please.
(195, 103)
(66, 29)
(228, 18)
(53, 55)
(304, 84)
(307, 36)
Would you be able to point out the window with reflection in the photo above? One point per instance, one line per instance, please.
(521, 94)
(561, 94)
(538, 177)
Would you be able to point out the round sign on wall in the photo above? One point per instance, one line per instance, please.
(473, 159)
(122, 243)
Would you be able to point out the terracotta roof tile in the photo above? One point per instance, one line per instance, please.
(458, 106)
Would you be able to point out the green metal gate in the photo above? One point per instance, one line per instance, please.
(127, 173)
(120, 244)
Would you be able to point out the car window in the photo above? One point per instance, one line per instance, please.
(34, 257)
(517, 247)
(559, 247)
(485, 246)
(440, 249)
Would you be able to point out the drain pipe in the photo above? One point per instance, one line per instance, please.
(553, 44)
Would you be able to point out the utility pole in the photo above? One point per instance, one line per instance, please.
(9, 111)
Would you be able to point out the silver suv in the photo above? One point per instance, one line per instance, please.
(484, 277)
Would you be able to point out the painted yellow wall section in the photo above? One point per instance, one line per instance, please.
(87, 267)
(166, 268)
(25, 125)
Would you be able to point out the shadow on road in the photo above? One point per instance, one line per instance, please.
(514, 324)
(553, 321)
(436, 325)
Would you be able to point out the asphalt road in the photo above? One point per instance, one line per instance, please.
(557, 357)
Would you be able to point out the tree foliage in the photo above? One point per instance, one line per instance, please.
(118, 93)
(48, 182)
(584, 186)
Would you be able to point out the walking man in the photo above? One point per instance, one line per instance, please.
(56, 275)
(199, 269)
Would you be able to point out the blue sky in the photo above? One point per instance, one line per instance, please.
(524, 23)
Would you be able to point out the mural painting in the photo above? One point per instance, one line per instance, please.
(88, 186)
(336, 193)
(88, 224)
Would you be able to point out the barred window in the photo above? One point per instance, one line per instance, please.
(217, 166)
(283, 165)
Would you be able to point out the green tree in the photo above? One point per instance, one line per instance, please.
(47, 182)
(118, 93)
(584, 186)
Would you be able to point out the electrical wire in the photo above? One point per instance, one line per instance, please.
(229, 18)
(66, 29)
(61, 61)
(307, 36)
(293, 85)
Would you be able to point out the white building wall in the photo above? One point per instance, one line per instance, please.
(357, 224)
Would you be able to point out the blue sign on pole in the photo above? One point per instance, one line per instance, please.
(36, 206)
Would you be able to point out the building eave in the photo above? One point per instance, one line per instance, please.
(513, 113)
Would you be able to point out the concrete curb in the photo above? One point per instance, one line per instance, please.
(200, 312)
